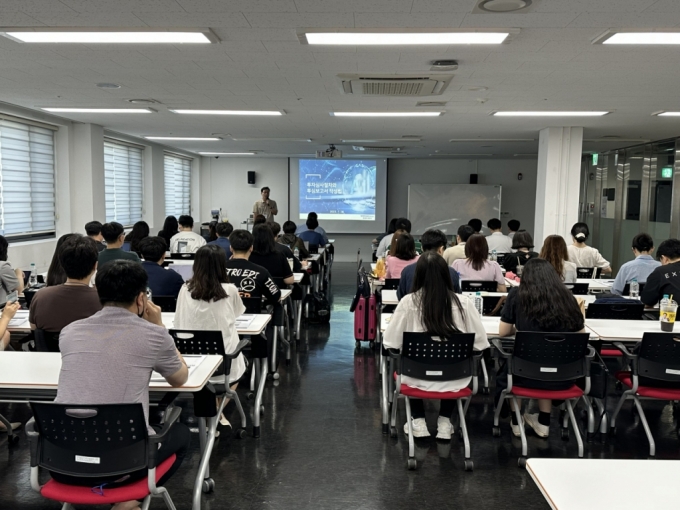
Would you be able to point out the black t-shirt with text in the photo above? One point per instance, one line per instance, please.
(252, 280)
(663, 280)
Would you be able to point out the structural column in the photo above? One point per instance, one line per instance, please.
(557, 182)
(88, 198)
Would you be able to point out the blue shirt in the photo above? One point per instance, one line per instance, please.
(639, 268)
(223, 243)
(303, 228)
(162, 282)
(312, 237)
(406, 280)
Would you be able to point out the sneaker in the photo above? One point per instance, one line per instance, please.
(444, 428)
(532, 421)
(516, 431)
(419, 428)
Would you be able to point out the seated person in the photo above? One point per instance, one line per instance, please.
(527, 310)
(497, 241)
(583, 255)
(476, 266)
(391, 229)
(476, 225)
(319, 230)
(140, 230)
(310, 235)
(114, 235)
(639, 268)
(212, 232)
(250, 279)
(434, 307)
(283, 248)
(186, 240)
(292, 241)
(259, 219)
(10, 279)
(523, 247)
(170, 228)
(666, 278)
(53, 308)
(458, 251)
(108, 359)
(555, 251)
(162, 282)
(513, 227)
(93, 229)
(386, 242)
(432, 241)
(402, 253)
(266, 254)
(223, 230)
(55, 273)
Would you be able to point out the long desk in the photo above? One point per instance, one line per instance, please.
(28, 376)
(596, 284)
(256, 327)
(594, 484)
(622, 331)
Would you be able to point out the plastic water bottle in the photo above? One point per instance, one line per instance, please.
(33, 278)
(479, 303)
(634, 288)
(296, 252)
(494, 256)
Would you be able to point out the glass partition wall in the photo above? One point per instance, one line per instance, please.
(628, 191)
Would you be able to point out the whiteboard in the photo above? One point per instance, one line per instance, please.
(448, 206)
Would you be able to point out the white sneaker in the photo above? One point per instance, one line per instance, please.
(532, 421)
(516, 431)
(444, 428)
(419, 428)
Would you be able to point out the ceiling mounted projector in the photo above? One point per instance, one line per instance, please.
(331, 152)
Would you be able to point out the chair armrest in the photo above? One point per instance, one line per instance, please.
(33, 440)
(241, 345)
(633, 358)
(649, 317)
(171, 417)
(394, 353)
(476, 357)
(499, 347)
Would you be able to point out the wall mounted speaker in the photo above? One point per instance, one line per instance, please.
(251, 177)
(473, 178)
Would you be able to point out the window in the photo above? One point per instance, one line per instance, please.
(177, 185)
(123, 182)
(27, 205)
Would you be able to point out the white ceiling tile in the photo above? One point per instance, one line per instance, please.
(118, 5)
(607, 6)
(19, 19)
(331, 6)
(90, 19)
(398, 20)
(174, 19)
(256, 34)
(307, 20)
(532, 19)
(443, 5)
(616, 19)
(215, 6)
(667, 6)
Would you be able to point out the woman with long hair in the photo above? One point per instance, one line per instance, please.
(55, 273)
(10, 279)
(435, 308)
(266, 255)
(523, 243)
(170, 228)
(209, 302)
(541, 303)
(555, 251)
(139, 231)
(583, 255)
(402, 253)
(476, 266)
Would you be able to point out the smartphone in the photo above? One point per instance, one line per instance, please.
(13, 297)
(148, 293)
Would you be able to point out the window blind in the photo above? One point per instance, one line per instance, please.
(27, 196)
(177, 185)
(123, 182)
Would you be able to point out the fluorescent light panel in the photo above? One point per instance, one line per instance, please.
(187, 138)
(227, 112)
(474, 140)
(644, 38)
(386, 114)
(227, 153)
(549, 114)
(668, 114)
(405, 38)
(108, 37)
(98, 110)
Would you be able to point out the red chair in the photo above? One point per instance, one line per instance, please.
(546, 357)
(424, 358)
(97, 441)
(658, 358)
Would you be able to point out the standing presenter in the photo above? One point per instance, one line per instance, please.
(265, 206)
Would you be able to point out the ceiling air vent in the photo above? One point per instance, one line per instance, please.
(393, 85)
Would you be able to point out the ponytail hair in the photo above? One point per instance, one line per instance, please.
(580, 232)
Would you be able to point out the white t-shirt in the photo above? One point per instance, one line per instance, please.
(214, 316)
(186, 242)
(569, 272)
(586, 257)
(407, 318)
(384, 246)
(499, 242)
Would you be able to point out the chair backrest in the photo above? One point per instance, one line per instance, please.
(46, 341)
(550, 356)
(423, 357)
(578, 289)
(500, 258)
(588, 272)
(182, 256)
(91, 440)
(489, 303)
(313, 248)
(192, 341)
(626, 289)
(659, 356)
(126, 246)
(167, 303)
(478, 286)
(252, 304)
(620, 311)
(391, 284)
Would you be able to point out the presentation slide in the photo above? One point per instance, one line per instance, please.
(338, 189)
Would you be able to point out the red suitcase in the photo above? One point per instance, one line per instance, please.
(365, 319)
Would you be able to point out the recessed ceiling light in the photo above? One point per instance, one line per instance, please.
(97, 110)
(104, 36)
(143, 101)
(227, 153)
(503, 5)
(377, 140)
(666, 114)
(187, 138)
(228, 112)
(464, 155)
(108, 85)
(268, 139)
(386, 114)
(549, 114)
(482, 140)
(639, 38)
(405, 38)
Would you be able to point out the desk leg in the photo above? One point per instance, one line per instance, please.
(384, 399)
(206, 431)
(275, 347)
(298, 319)
(258, 397)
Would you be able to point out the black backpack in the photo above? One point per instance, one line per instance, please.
(319, 308)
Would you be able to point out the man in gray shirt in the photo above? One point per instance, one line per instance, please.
(108, 358)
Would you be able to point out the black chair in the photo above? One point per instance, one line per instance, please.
(46, 341)
(626, 289)
(313, 248)
(657, 359)
(578, 289)
(619, 311)
(391, 284)
(588, 272)
(211, 342)
(423, 357)
(167, 303)
(182, 256)
(478, 286)
(97, 441)
(546, 357)
(500, 258)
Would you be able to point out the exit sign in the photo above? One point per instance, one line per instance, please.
(595, 158)
(667, 172)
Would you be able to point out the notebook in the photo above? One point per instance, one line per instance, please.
(192, 361)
